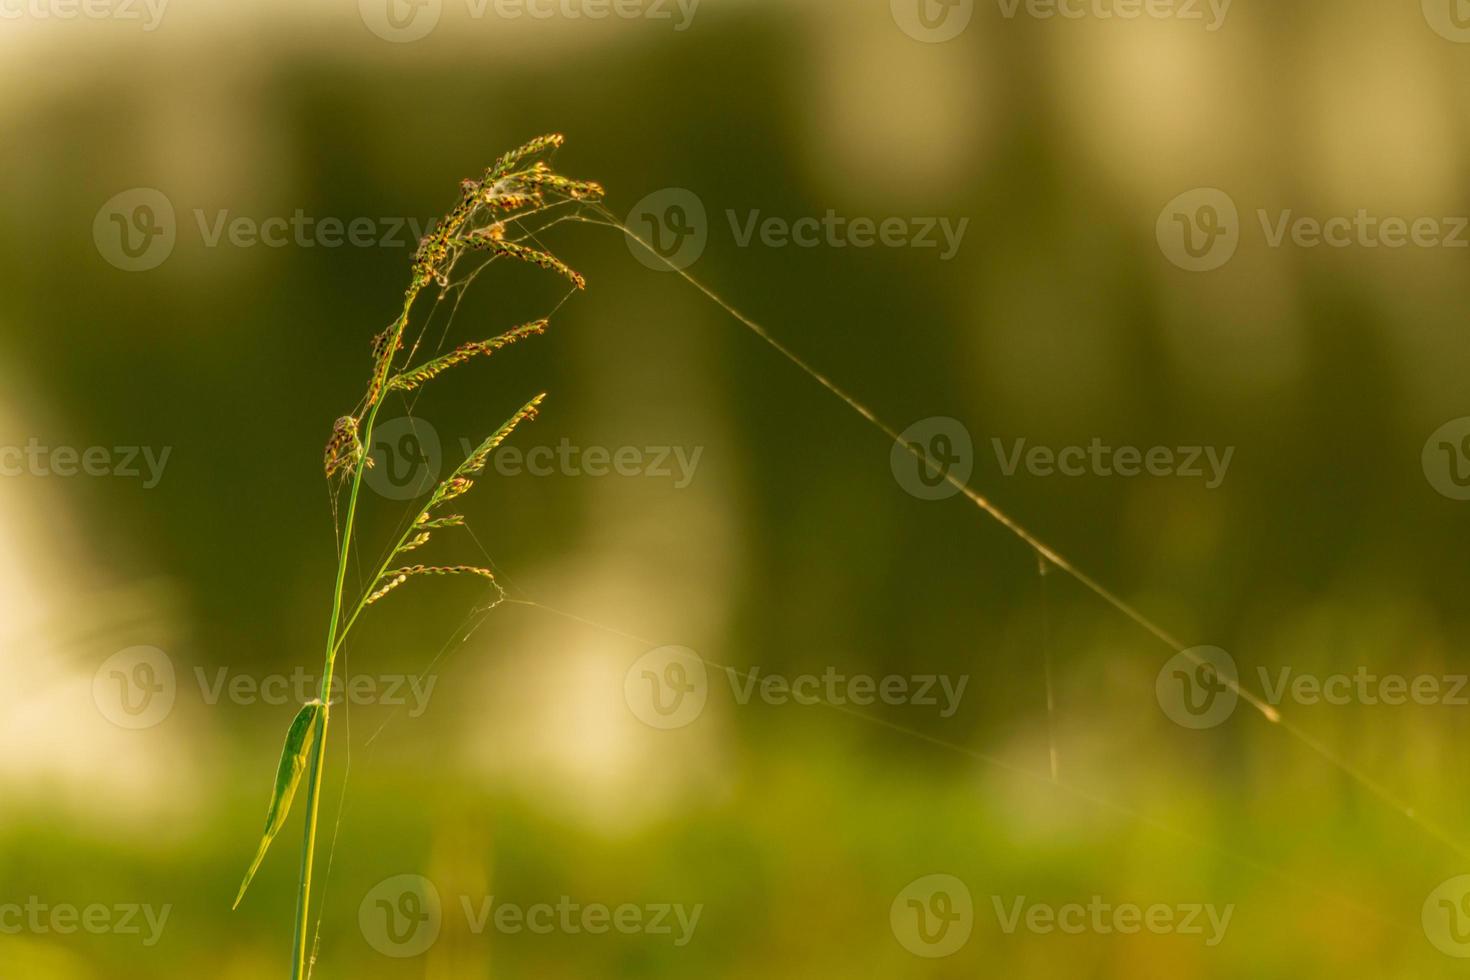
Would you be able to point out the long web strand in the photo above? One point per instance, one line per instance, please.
(1044, 550)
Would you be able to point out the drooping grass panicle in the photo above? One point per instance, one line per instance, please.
(513, 250)
(494, 214)
(411, 379)
(395, 577)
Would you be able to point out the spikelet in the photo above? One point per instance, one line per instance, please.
(507, 163)
(475, 462)
(382, 340)
(524, 253)
(409, 380)
(344, 448)
(448, 520)
(580, 190)
(391, 580)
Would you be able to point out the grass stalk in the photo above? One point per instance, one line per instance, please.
(499, 216)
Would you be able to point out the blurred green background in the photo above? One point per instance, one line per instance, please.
(795, 547)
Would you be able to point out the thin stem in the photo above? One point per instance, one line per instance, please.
(300, 968)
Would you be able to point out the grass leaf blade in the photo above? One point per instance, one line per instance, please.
(288, 775)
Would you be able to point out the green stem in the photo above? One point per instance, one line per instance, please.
(300, 967)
